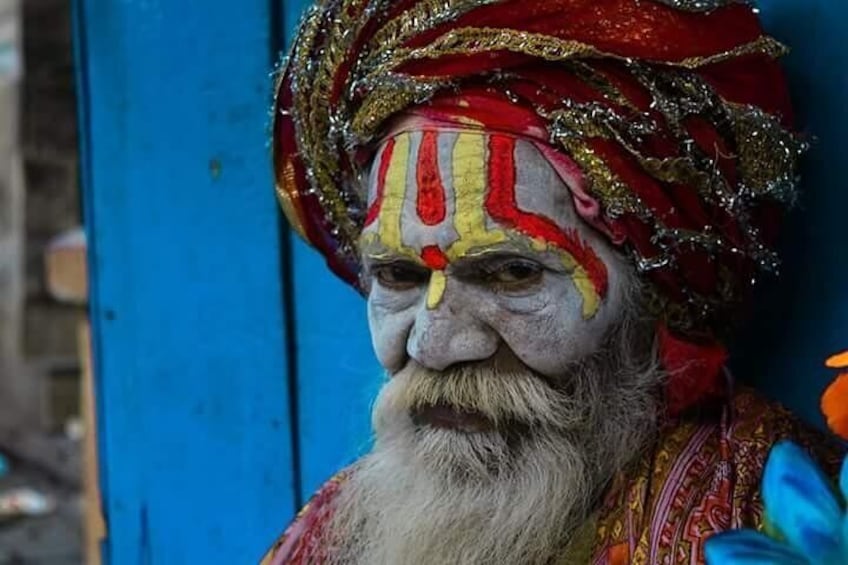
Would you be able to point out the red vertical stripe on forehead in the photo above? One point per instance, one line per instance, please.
(431, 191)
(385, 161)
(502, 206)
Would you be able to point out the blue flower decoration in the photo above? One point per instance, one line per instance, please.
(806, 520)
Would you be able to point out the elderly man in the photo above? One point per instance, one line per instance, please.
(556, 209)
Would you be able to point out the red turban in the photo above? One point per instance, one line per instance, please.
(675, 111)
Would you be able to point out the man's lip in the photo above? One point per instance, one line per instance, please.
(448, 417)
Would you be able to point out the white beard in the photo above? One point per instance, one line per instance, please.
(512, 495)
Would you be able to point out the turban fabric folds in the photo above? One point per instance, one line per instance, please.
(675, 111)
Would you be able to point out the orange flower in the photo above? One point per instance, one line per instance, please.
(839, 361)
(834, 402)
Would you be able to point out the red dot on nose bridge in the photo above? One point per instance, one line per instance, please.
(434, 258)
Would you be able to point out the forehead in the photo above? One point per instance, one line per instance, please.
(428, 185)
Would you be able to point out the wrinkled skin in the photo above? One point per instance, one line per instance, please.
(497, 284)
(521, 372)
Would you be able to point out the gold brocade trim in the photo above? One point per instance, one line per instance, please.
(424, 15)
(311, 113)
(581, 121)
(473, 40)
(593, 121)
(614, 194)
(767, 153)
(679, 170)
(287, 198)
(763, 45)
(388, 99)
(599, 81)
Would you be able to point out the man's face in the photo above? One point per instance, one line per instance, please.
(521, 375)
(521, 372)
(473, 245)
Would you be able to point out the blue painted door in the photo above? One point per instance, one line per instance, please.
(187, 301)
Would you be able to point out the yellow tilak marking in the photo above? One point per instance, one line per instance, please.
(591, 300)
(469, 183)
(393, 194)
(436, 289)
(539, 244)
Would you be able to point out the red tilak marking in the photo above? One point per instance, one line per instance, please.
(502, 207)
(385, 161)
(431, 192)
(434, 258)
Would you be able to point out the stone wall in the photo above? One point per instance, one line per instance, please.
(49, 147)
(47, 329)
(11, 206)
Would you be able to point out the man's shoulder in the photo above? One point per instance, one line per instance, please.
(704, 476)
(732, 445)
(742, 429)
(300, 543)
(757, 423)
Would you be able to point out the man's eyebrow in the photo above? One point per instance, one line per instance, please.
(381, 254)
(506, 252)
(390, 258)
(489, 252)
(520, 245)
(475, 261)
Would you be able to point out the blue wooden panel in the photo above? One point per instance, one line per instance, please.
(803, 318)
(187, 301)
(338, 376)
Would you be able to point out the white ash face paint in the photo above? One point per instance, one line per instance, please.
(499, 285)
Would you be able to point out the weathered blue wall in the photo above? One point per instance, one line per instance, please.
(338, 375)
(187, 302)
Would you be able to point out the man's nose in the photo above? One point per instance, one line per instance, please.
(447, 335)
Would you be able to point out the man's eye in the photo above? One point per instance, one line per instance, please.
(515, 274)
(400, 276)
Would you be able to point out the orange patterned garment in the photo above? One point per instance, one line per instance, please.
(701, 476)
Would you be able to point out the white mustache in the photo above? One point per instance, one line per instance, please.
(505, 393)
